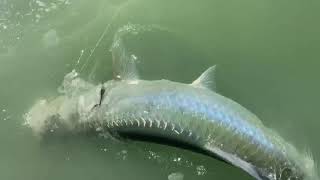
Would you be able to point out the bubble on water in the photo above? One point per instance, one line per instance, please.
(67, 2)
(201, 170)
(51, 38)
(40, 3)
(177, 159)
(134, 57)
(122, 155)
(103, 149)
(5, 115)
(6, 118)
(176, 176)
(153, 155)
(188, 163)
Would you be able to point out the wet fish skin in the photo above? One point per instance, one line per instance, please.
(192, 114)
(198, 117)
(187, 114)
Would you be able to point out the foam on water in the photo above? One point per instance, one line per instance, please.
(63, 112)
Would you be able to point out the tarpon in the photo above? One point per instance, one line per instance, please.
(192, 115)
(189, 114)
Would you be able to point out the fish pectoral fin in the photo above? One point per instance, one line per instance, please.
(236, 161)
(111, 135)
(206, 79)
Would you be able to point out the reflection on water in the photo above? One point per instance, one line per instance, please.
(267, 52)
(176, 176)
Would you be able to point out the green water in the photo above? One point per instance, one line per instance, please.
(268, 53)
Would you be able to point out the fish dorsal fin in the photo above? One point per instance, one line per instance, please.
(124, 61)
(206, 79)
(124, 66)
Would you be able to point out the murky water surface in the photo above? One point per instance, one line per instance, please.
(268, 55)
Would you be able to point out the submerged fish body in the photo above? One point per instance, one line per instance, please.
(187, 114)
(192, 115)
(200, 118)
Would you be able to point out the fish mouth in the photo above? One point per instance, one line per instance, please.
(51, 116)
(65, 112)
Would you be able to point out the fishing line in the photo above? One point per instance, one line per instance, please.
(106, 30)
(79, 59)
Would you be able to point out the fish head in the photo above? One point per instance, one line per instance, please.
(67, 112)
